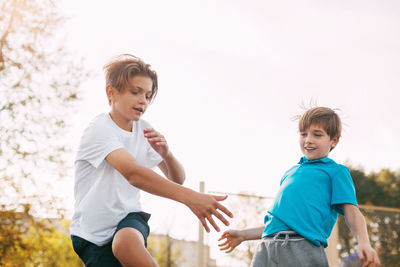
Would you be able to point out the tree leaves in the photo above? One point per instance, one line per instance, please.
(39, 81)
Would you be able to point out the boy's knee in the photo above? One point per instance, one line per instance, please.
(128, 248)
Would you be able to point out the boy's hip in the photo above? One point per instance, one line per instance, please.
(288, 248)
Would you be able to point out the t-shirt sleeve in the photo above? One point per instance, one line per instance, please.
(343, 191)
(152, 158)
(96, 143)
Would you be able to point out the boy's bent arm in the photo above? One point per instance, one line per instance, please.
(232, 238)
(356, 222)
(202, 205)
(253, 233)
(172, 169)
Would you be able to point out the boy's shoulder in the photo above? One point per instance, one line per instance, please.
(326, 164)
(100, 123)
(330, 163)
(103, 122)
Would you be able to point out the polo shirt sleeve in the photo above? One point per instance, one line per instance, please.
(343, 191)
(98, 140)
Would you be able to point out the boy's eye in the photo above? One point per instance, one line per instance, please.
(303, 134)
(134, 92)
(148, 97)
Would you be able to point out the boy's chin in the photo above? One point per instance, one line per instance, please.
(313, 157)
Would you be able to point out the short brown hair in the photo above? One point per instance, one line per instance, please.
(325, 117)
(120, 69)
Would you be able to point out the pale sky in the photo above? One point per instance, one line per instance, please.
(233, 73)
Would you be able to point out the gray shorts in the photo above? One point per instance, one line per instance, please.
(288, 249)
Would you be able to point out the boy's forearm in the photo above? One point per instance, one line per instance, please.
(175, 170)
(149, 181)
(357, 225)
(252, 233)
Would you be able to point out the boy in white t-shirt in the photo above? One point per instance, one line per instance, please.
(113, 163)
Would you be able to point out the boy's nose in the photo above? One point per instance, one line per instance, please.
(142, 99)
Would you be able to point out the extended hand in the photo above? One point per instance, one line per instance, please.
(205, 206)
(368, 256)
(233, 239)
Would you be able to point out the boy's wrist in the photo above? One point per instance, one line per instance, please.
(168, 156)
(185, 196)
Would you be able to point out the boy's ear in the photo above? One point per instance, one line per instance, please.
(335, 141)
(109, 92)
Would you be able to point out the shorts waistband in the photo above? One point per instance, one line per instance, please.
(284, 235)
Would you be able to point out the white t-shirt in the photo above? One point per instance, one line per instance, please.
(103, 197)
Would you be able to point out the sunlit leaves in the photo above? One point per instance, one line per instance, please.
(29, 241)
(39, 81)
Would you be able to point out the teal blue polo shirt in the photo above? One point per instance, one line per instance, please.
(310, 198)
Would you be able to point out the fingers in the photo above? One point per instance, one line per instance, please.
(220, 217)
(376, 260)
(220, 198)
(217, 214)
(230, 250)
(364, 258)
(227, 248)
(223, 236)
(229, 245)
(369, 258)
(154, 137)
(208, 216)
(222, 207)
(212, 222)
(204, 223)
(222, 245)
(207, 206)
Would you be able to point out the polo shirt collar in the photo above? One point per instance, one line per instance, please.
(304, 160)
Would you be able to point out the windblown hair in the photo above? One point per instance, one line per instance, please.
(325, 117)
(120, 69)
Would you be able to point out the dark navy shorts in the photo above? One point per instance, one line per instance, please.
(102, 256)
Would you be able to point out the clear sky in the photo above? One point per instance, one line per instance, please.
(233, 73)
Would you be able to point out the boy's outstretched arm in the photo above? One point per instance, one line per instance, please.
(204, 206)
(356, 222)
(235, 237)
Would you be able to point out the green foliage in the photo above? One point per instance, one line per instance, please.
(378, 189)
(26, 241)
(39, 80)
(163, 250)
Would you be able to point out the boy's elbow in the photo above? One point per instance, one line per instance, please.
(179, 179)
(133, 176)
(182, 180)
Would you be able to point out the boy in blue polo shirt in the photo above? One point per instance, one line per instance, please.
(312, 194)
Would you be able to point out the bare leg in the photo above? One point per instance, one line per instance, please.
(128, 248)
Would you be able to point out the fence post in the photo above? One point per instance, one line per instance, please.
(200, 242)
(332, 251)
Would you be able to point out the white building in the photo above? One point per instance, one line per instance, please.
(187, 250)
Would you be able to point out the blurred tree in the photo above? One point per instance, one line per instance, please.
(380, 189)
(39, 81)
(161, 247)
(26, 241)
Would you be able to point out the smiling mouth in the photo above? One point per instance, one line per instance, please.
(309, 148)
(139, 109)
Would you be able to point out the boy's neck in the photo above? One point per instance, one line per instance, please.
(121, 122)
